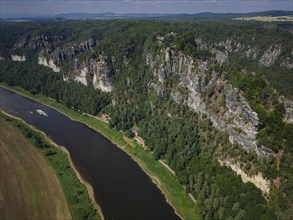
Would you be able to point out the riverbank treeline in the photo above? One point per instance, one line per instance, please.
(80, 205)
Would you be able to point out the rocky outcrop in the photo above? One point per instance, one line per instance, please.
(92, 72)
(251, 53)
(238, 119)
(258, 180)
(52, 57)
(201, 44)
(271, 55)
(39, 41)
(220, 57)
(81, 76)
(89, 72)
(288, 104)
(223, 49)
(287, 63)
(20, 58)
(68, 51)
(48, 63)
(22, 43)
(71, 50)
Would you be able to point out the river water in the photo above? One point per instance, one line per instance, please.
(121, 188)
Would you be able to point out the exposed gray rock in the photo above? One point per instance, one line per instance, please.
(149, 60)
(19, 58)
(227, 45)
(23, 43)
(71, 50)
(92, 72)
(125, 59)
(238, 47)
(177, 97)
(158, 87)
(251, 53)
(288, 104)
(287, 63)
(42, 60)
(258, 180)
(89, 72)
(39, 41)
(220, 57)
(239, 120)
(271, 55)
(237, 105)
(201, 44)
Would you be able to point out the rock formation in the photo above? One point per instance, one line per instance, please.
(238, 119)
(20, 58)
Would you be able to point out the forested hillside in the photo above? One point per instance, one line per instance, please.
(211, 99)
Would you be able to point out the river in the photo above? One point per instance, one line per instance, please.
(121, 188)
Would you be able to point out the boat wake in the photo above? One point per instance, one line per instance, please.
(41, 112)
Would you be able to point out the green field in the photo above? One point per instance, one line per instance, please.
(174, 192)
(78, 201)
(29, 187)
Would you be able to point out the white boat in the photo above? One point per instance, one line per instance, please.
(41, 112)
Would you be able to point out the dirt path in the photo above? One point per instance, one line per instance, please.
(168, 168)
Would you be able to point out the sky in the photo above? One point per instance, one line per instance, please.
(51, 7)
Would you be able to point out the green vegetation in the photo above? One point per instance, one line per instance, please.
(75, 96)
(174, 192)
(185, 42)
(273, 133)
(188, 148)
(28, 185)
(127, 37)
(264, 101)
(76, 194)
(183, 139)
(204, 171)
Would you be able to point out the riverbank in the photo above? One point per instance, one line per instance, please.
(78, 192)
(29, 187)
(166, 182)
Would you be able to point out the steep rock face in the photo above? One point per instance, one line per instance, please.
(221, 57)
(224, 48)
(56, 56)
(71, 50)
(251, 53)
(48, 63)
(92, 72)
(39, 41)
(270, 56)
(258, 180)
(287, 63)
(232, 113)
(288, 104)
(18, 58)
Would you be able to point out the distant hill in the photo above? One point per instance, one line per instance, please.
(110, 15)
(171, 16)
